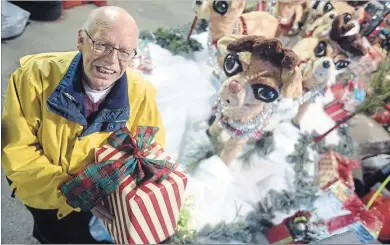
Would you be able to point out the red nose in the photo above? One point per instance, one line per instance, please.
(234, 87)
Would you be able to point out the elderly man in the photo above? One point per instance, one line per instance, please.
(60, 107)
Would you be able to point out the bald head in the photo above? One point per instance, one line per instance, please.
(106, 17)
(106, 29)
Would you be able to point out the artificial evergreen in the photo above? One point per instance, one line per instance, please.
(261, 147)
(250, 228)
(175, 40)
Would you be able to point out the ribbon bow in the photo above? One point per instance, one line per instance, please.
(140, 164)
(371, 218)
(98, 180)
(345, 166)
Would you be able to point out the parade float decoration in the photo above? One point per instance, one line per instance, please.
(259, 70)
(272, 206)
(228, 17)
(345, 32)
(317, 19)
(320, 63)
(289, 14)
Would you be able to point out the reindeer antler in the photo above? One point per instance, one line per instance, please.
(272, 50)
(244, 44)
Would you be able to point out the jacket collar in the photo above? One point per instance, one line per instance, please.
(67, 100)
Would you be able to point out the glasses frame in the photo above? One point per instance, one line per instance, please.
(110, 48)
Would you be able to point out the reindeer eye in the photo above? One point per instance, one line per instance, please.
(320, 50)
(328, 7)
(347, 18)
(221, 7)
(232, 65)
(265, 93)
(341, 64)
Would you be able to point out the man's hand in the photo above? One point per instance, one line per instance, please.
(102, 213)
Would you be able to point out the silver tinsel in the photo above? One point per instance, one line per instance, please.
(212, 51)
(251, 128)
(312, 94)
(236, 28)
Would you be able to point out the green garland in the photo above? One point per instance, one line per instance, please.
(175, 39)
(252, 227)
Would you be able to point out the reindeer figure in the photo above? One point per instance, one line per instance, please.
(227, 17)
(321, 62)
(317, 19)
(290, 13)
(259, 72)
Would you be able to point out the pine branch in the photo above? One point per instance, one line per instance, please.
(175, 40)
(380, 93)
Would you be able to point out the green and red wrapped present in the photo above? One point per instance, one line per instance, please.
(297, 229)
(382, 204)
(135, 179)
(333, 167)
(367, 223)
(279, 234)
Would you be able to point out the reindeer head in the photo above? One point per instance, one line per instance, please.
(345, 31)
(223, 15)
(321, 25)
(344, 25)
(259, 71)
(321, 61)
(321, 8)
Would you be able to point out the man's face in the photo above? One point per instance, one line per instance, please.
(102, 64)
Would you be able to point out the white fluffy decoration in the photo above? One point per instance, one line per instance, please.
(185, 90)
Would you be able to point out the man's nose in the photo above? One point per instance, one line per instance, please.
(112, 56)
(234, 87)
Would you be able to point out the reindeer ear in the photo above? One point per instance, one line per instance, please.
(202, 8)
(291, 82)
(223, 42)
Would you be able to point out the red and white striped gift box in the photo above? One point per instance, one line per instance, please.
(147, 214)
(333, 167)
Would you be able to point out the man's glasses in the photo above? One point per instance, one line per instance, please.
(106, 49)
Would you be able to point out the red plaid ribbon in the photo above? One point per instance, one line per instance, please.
(98, 180)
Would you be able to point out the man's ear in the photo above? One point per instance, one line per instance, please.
(291, 83)
(80, 39)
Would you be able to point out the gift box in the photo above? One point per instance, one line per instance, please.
(336, 111)
(300, 228)
(367, 223)
(333, 167)
(279, 234)
(382, 204)
(147, 213)
(137, 181)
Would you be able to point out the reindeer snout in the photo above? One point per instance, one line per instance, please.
(234, 87)
(326, 64)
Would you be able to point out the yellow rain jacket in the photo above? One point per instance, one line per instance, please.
(45, 136)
